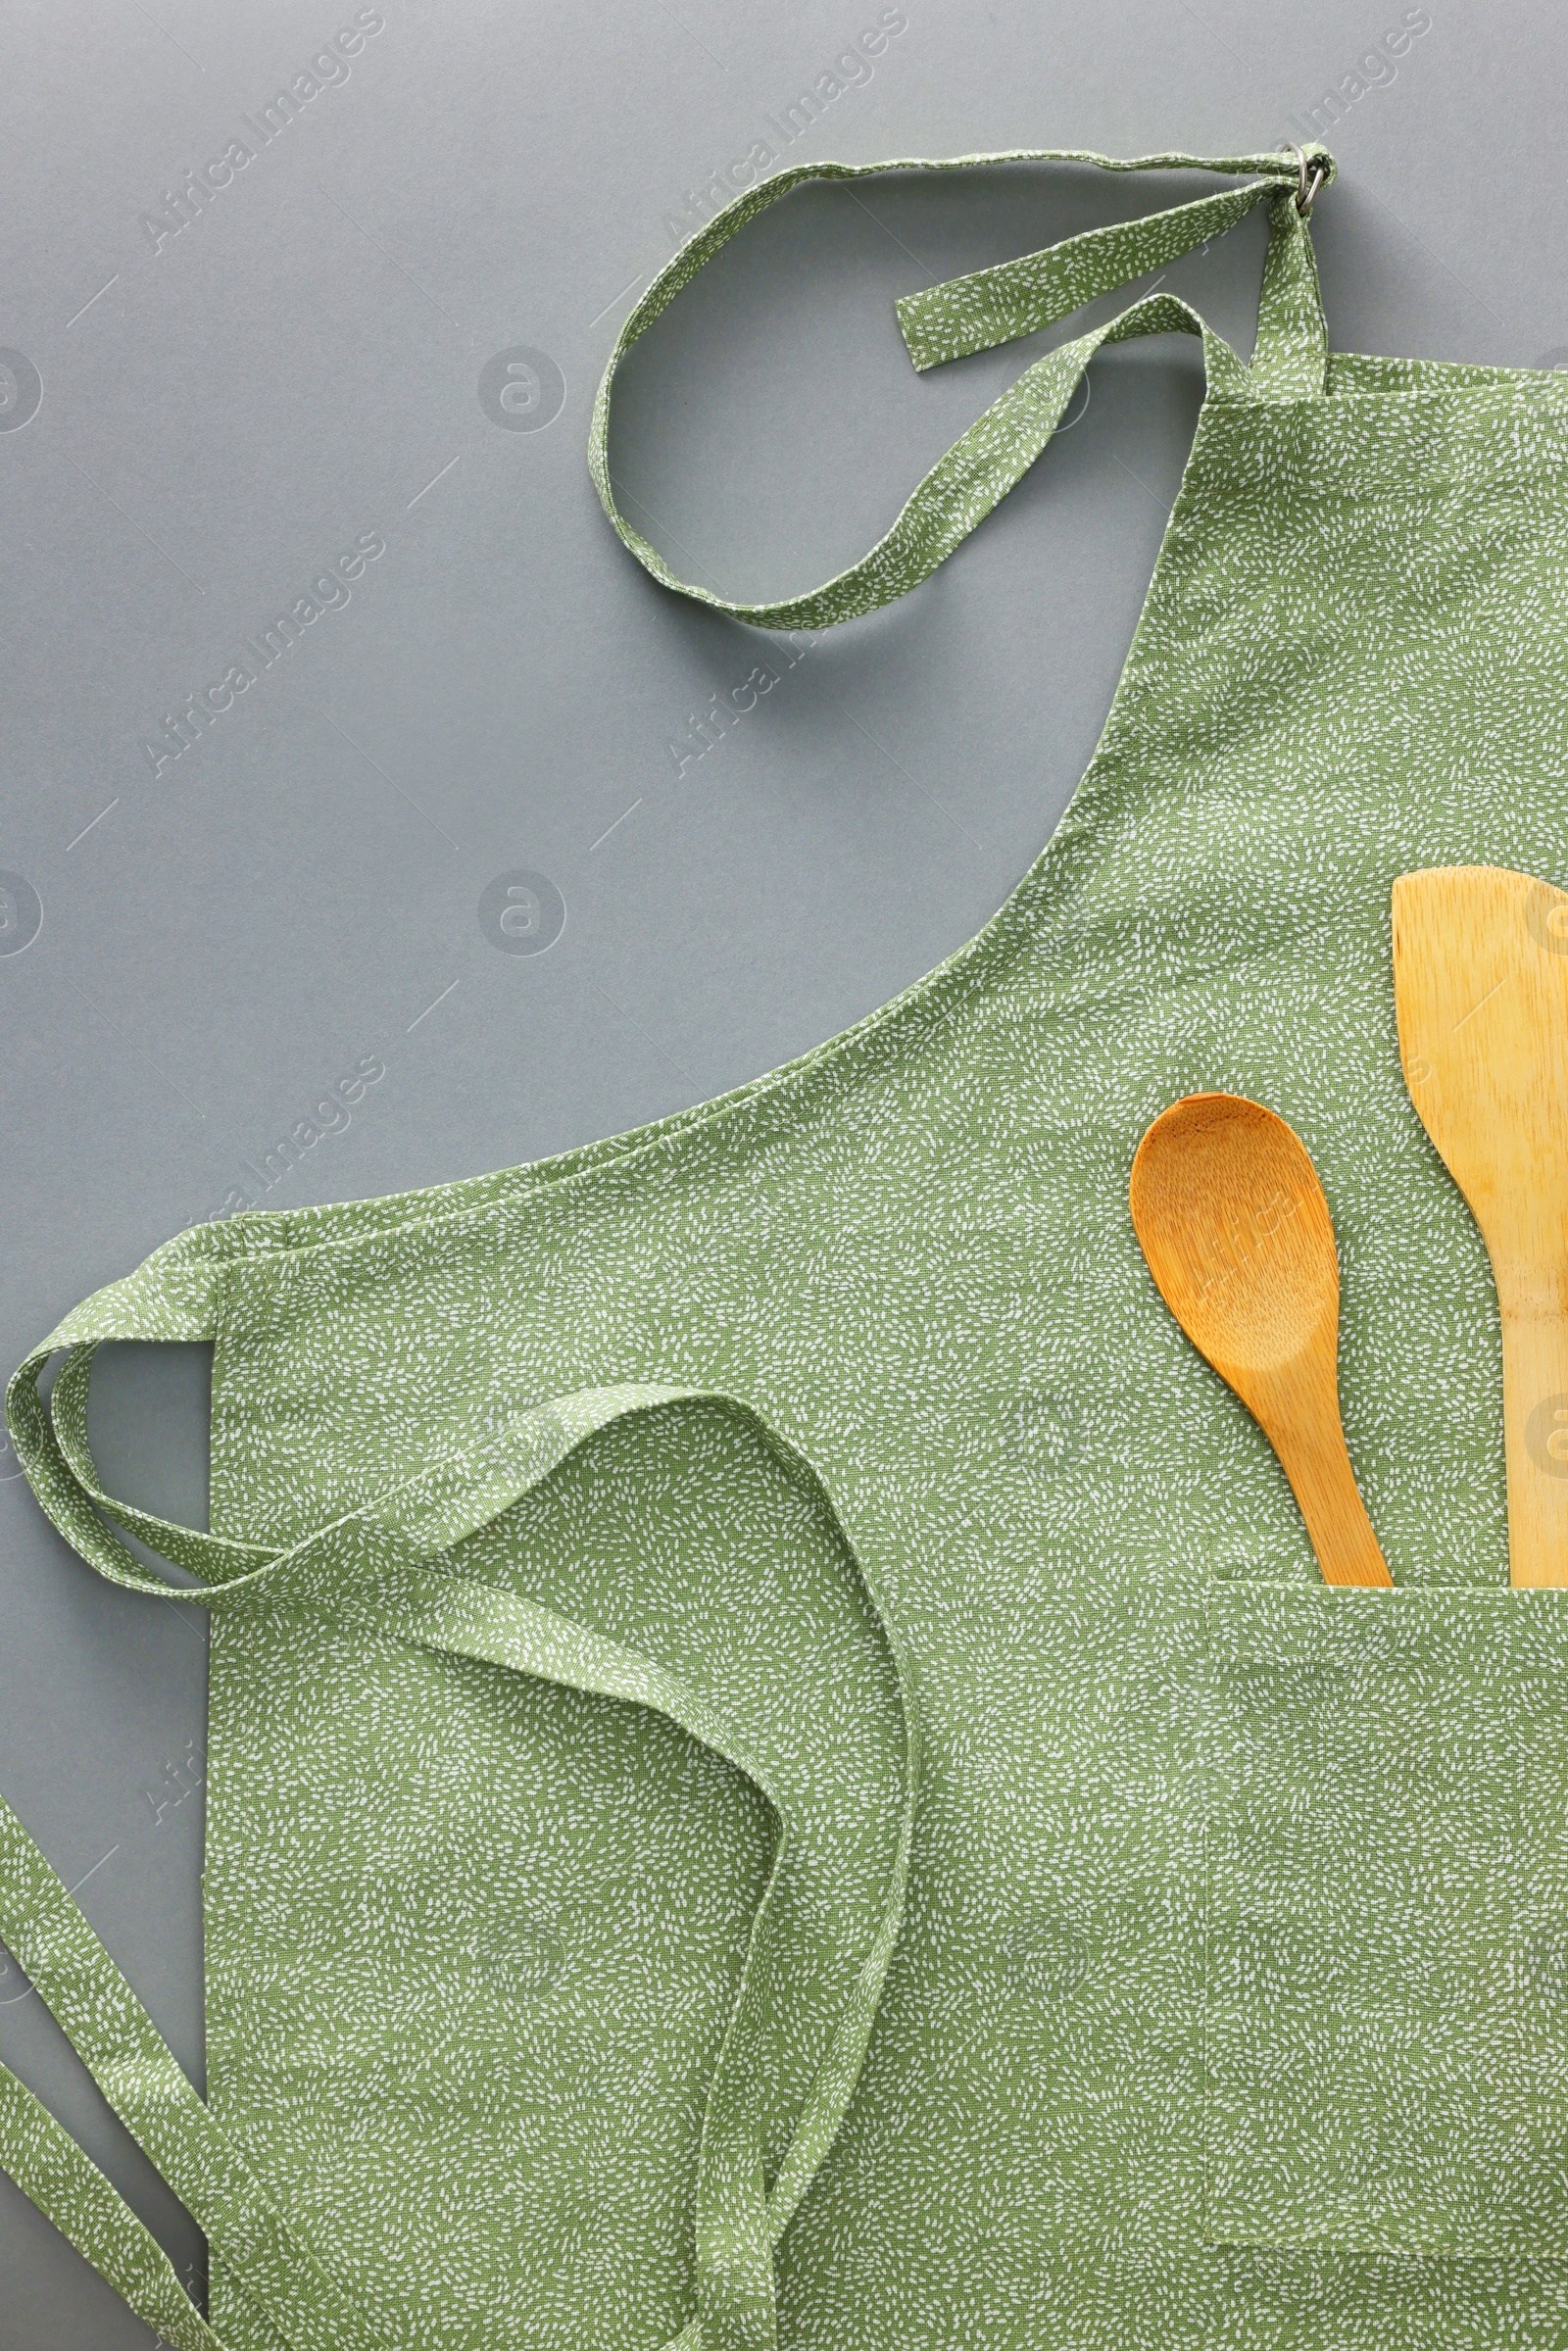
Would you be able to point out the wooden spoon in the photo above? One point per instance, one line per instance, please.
(1236, 1233)
(1481, 986)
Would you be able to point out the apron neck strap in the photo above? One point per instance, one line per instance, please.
(987, 307)
(1021, 297)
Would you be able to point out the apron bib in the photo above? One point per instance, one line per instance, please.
(780, 1766)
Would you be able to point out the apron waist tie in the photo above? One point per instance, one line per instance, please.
(397, 1543)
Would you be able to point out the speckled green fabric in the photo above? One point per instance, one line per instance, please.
(1388, 1925)
(780, 1769)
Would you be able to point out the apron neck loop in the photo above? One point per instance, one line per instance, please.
(995, 306)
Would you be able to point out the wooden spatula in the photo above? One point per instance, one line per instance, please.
(1236, 1233)
(1481, 986)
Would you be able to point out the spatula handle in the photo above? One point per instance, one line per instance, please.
(1535, 1414)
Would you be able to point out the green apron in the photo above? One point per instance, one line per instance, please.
(780, 1768)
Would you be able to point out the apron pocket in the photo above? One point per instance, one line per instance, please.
(1387, 2010)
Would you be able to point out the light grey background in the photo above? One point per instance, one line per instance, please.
(228, 405)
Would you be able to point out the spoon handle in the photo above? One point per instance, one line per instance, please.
(1297, 1407)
